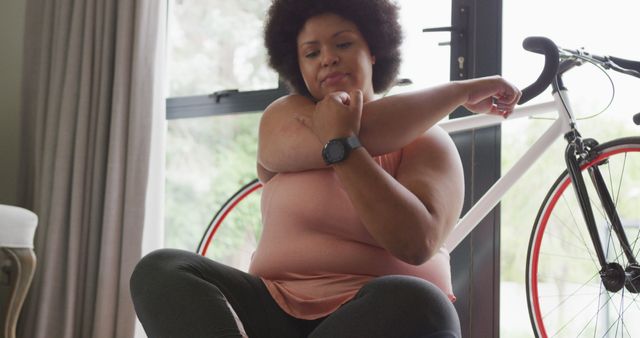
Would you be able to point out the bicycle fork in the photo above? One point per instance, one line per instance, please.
(612, 274)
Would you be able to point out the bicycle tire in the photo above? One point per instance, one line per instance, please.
(223, 212)
(565, 296)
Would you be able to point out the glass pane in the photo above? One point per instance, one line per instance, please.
(208, 159)
(216, 45)
(424, 61)
(571, 24)
(237, 237)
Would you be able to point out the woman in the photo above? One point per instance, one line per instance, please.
(359, 195)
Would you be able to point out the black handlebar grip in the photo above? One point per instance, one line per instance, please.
(548, 48)
(628, 64)
(636, 119)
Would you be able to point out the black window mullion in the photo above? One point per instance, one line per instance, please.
(232, 103)
(476, 261)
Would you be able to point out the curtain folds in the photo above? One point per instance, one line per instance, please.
(92, 97)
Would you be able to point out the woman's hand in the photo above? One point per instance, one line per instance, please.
(491, 95)
(337, 115)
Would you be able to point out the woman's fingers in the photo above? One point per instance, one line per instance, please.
(337, 115)
(341, 97)
(356, 101)
(492, 95)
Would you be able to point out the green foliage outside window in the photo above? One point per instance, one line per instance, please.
(208, 159)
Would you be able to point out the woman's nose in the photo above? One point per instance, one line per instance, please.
(330, 59)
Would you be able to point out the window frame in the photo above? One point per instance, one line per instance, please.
(227, 102)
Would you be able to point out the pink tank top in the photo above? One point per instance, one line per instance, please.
(315, 254)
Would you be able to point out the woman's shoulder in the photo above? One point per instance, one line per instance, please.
(289, 112)
(289, 102)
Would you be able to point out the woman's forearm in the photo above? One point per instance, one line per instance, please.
(393, 215)
(391, 123)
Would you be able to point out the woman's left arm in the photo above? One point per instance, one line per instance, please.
(412, 214)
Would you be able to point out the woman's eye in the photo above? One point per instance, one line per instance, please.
(311, 55)
(344, 45)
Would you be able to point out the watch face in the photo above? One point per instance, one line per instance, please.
(338, 149)
(335, 152)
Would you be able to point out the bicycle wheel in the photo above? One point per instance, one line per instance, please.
(236, 241)
(565, 295)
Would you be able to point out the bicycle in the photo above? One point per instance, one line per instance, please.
(594, 281)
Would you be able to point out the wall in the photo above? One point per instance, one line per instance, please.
(12, 17)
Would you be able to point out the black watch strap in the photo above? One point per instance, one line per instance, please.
(337, 150)
(353, 142)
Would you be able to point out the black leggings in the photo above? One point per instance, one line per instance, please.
(181, 294)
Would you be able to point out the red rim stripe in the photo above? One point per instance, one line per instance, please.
(536, 249)
(224, 215)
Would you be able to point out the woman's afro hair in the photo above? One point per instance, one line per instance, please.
(377, 21)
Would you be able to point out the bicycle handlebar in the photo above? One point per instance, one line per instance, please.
(626, 64)
(546, 47)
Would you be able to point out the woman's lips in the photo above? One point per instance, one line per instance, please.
(333, 79)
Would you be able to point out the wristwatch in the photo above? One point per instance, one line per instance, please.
(337, 150)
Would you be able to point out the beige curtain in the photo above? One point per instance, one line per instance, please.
(91, 89)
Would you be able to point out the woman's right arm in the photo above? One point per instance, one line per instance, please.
(287, 144)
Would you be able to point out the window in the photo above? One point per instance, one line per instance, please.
(217, 45)
(425, 56)
(214, 46)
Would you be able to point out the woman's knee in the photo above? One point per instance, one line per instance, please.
(406, 289)
(417, 297)
(153, 268)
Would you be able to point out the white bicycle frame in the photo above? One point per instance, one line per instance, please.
(490, 199)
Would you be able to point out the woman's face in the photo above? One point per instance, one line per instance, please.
(333, 56)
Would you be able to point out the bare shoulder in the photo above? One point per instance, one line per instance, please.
(284, 139)
(283, 117)
(289, 104)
